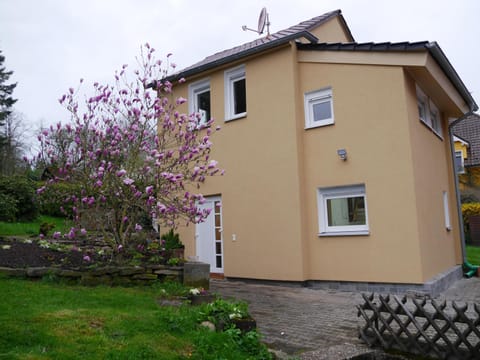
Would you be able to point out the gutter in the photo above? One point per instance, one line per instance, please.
(469, 269)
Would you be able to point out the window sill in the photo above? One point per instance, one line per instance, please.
(314, 126)
(236, 117)
(344, 233)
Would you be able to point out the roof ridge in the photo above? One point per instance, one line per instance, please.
(279, 37)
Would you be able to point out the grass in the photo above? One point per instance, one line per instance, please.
(33, 227)
(473, 254)
(42, 320)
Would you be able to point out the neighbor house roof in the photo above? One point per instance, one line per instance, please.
(432, 47)
(469, 130)
(301, 30)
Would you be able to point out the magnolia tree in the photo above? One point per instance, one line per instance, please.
(130, 153)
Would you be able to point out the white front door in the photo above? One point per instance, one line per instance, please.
(209, 239)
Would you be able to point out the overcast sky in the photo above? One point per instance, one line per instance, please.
(51, 44)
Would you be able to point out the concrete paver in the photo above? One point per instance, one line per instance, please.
(296, 319)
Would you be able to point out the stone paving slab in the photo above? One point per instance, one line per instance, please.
(314, 323)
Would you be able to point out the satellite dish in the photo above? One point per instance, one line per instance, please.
(262, 20)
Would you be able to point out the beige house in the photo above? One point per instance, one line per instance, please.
(338, 161)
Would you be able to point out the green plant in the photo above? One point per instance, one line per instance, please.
(174, 261)
(45, 228)
(22, 190)
(8, 207)
(469, 209)
(172, 240)
(221, 312)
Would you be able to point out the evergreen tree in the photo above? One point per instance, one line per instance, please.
(6, 100)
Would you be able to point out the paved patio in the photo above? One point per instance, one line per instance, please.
(318, 324)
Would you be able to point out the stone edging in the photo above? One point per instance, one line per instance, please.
(108, 275)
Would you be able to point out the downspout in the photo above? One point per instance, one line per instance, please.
(469, 269)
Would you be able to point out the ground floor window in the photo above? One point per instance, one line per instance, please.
(342, 210)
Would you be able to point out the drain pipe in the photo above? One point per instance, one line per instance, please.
(468, 269)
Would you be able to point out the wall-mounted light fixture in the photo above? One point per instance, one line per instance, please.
(342, 153)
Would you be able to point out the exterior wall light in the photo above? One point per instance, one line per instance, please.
(342, 153)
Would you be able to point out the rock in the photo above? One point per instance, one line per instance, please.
(70, 273)
(208, 324)
(12, 272)
(38, 271)
(145, 277)
(125, 271)
(167, 272)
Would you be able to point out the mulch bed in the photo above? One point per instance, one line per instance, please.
(21, 255)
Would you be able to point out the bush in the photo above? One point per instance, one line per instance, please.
(172, 240)
(8, 207)
(22, 190)
(54, 199)
(468, 210)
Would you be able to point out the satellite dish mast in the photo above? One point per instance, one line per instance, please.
(262, 21)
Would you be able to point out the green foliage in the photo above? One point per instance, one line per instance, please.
(22, 190)
(172, 240)
(468, 210)
(174, 261)
(8, 207)
(45, 228)
(53, 199)
(222, 312)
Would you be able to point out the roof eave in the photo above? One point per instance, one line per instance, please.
(269, 45)
(437, 53)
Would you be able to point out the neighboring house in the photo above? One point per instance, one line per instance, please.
(337, 158)
(467, 154)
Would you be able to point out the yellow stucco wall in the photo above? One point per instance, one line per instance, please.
(370, 123)
(433, 172)
(274, 168)
(260, 200)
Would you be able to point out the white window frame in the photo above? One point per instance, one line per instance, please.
(446, 209)
(231, 76)
(432, 117)
(324, 194)
(459, 152)
(194, 90)
(315, 97)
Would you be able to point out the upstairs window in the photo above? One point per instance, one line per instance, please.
(199, 101)
(428, 112)
(318, 108)
(459, 162)
(342, 211)
(235, 93)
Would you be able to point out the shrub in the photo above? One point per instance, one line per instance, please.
(172, 240)
(56, 197)
(22, 190)
(8, 207)
(468, 210)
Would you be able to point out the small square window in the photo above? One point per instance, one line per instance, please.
(199, 101)
(342, 211)
(318, 108)
(235, 93)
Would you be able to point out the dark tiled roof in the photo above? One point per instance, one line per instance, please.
(432, 47)
(368, 46)
(469, 130)
(281, 37)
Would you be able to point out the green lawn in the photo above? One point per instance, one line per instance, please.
(32, 228)
(473, 255)
(41, 320)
